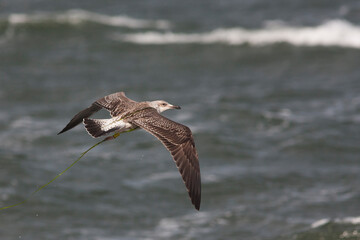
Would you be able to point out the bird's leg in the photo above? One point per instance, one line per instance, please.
(112, 137)
(117, 134)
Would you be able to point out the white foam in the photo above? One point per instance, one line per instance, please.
(190, 225)
(335, 32)
(350, 220)
(346, 220)
(168, 227)
(350, 234)
(320, 223)
(77, 16)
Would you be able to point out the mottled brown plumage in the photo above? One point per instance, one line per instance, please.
(116, 104)
(178, 139)
(128, 115)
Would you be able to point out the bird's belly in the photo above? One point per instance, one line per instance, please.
(125, 126)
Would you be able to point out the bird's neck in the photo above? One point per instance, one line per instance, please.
(154, 105)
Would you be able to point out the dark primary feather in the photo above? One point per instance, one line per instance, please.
(178, 139)
(78, 118)
(115, 103)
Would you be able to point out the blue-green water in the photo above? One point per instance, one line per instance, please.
(271, 91)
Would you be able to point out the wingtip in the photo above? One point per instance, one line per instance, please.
(197, 204)
(61, 131)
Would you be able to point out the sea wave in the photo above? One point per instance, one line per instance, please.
(345, 220)
(78, 16)
(191, 225)
(336, 32)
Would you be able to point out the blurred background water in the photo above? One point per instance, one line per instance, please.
(270, 89)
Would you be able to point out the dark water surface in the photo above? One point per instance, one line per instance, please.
(271, 91)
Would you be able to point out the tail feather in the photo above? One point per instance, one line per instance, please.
(99, 127)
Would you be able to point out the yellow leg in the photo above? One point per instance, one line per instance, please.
(118, 133)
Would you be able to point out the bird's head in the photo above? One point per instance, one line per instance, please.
(161, 105)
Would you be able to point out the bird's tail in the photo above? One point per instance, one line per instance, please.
(99, 127)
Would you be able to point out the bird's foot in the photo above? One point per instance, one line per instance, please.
(112, 137)
(117, 134)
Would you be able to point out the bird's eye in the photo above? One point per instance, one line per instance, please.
(164, 104)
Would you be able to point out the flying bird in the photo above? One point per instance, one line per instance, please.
(128, 115)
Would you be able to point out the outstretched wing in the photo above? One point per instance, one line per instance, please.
(178, 139)
(115, 103)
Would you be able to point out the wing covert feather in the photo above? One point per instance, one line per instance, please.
(115, 103)
(178, 139)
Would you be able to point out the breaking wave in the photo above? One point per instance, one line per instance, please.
(346, 220)
(340, 33)
(78, 16)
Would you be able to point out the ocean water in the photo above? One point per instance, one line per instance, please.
(270, 90)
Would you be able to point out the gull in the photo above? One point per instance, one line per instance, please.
(128, 115)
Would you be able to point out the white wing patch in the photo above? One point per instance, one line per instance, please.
(100, 127)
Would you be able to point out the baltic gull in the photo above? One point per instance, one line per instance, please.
(128, 115)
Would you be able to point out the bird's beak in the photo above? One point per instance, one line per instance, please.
(175, 107)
